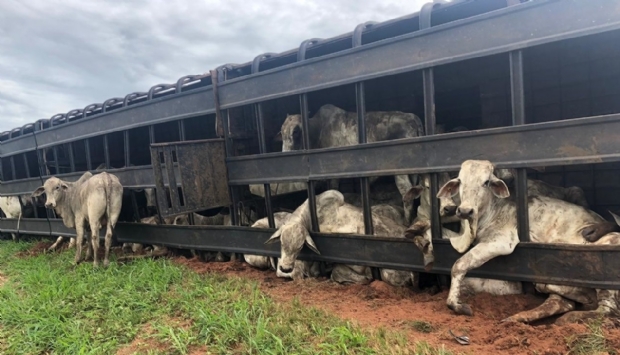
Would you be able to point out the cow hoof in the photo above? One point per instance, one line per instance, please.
(106, 263)
(461, 308)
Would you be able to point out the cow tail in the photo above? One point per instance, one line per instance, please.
(106, 188)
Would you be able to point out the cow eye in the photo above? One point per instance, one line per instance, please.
(486, 183)
(57, 187)
(296, 132)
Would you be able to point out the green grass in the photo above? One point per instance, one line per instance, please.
(49, 307)
(591, 343)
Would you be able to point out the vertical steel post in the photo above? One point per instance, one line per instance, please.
(217, 76)
(303, 103)
(106, 152)
(89, 161)
(126, 148)
(360, 103)
(71, 157)
(518, 118)
(2, 171)
(430, 119)
(26, 165)
(13, 172)
(260, 126)
(56, 163)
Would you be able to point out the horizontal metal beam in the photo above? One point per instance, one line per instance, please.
(575, 141)
(500, 31)
(192, 103)
(137, 177)
(562, 264)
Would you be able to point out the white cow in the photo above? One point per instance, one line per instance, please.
(246, 218)
(11, 206)
(91, 201)
(301, 268)
(334, 127)
(493, 232)
(336, 216)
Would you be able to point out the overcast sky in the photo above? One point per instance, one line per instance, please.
(56, 56)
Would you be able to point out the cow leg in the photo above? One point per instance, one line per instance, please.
(56, 244)
(608, 303)
(474, 258)
(71, 243)
(108, 245)
(404, 185)
(94, 239)
(79, 229)
(554, 304)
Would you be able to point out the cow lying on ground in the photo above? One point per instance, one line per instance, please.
(93, 200)
(247, 217)
(336, 216)
(334, 127)
(301, 269)
(493, 232)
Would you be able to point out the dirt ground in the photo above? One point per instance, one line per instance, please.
(379, 304)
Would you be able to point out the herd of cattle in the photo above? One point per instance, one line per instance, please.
(478, 200)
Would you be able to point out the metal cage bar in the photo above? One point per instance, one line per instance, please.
(517, 96)
(360, 104)
(89, 159)
(25, 156)
(430, 119)
(305, 117)
(106, 151)
(218, 76)
(260, 127)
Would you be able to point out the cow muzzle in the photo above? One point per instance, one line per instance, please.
(465, 212)
(50, 205)
(449, 211)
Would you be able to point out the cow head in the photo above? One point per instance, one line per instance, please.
(478, 187)
(292, 237)
(54, 190)
(291, 133)
(447, 204)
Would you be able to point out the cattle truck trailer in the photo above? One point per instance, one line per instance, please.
(537, 83)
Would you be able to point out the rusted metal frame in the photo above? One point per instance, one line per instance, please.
(430, 120)
(262, 144)
(517, 96)
(305, 117)
(174, 191)
(160, 219)
(218, 76)
(589, 266)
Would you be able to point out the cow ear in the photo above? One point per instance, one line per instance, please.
(450, 188)
(38, 192)
(311, 245)
(616, 217)
(413, 193)
(275, 237)
(64, 186)
(499, 188)
(278, 137)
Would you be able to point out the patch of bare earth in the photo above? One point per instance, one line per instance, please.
(380, 305)
(37, 249)
(3, 279)
(143, 342)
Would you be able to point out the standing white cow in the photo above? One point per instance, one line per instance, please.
(91, 201)
(334, 127)
(16, 207)
(336, 216)
(493, 232)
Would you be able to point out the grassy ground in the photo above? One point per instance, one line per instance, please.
(157, 307)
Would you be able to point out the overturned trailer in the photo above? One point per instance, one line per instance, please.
(535, 81)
